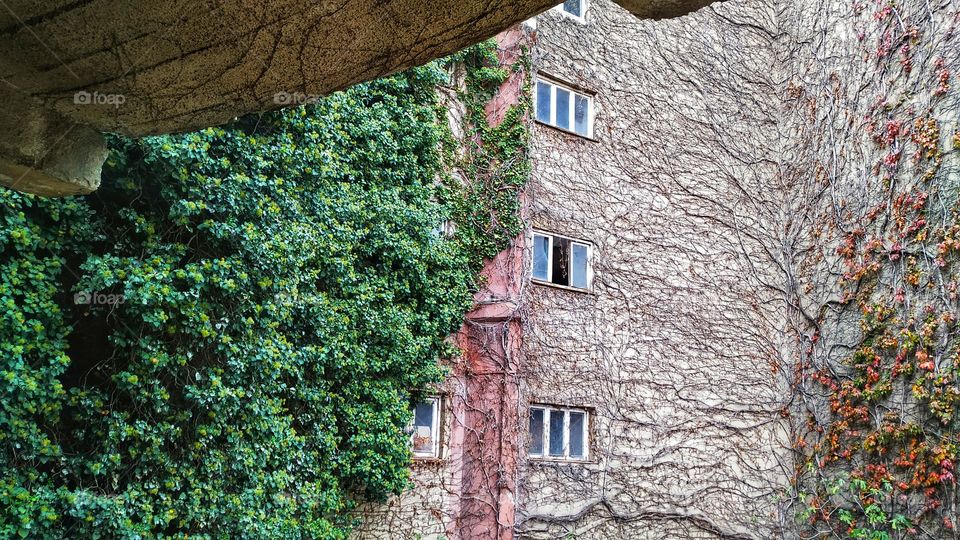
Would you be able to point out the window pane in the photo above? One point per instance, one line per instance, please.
(543, 102)
(563, 108)
(572, 7)
(556, 433)
(536, 432)
(578, 270)
(576, 434)
(541, 255)
(423, 427)
(423, 414)
(581, 114)
(561, 261)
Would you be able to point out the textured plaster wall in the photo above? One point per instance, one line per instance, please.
(851, 85)
(736, 150)
(868, 72)
(676, 349)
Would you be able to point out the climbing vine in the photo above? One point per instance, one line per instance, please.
(492, 156)
(487, 165)
(225, 339)
(881, 459)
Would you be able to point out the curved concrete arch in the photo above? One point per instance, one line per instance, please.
(72, 69)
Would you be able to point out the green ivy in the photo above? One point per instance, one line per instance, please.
(268, 300)
(493, 157)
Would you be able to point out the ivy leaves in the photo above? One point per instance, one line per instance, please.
(281, 293)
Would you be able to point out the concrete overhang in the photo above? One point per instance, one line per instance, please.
(73, 69)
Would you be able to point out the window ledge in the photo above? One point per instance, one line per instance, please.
(567, 131)
(563, 287)
(561, 461)
(426, 461)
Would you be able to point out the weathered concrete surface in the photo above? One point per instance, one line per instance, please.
(143, 67)
(660, 9)
(44, 153)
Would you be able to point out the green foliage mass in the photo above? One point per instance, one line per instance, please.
(285, 296)
(493, 157)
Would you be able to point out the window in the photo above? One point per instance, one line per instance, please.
(564, 108)
(561, 261)
(573, 8)
(425, 436)
(445, 230)
(558, 433)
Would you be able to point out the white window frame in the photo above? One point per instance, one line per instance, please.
(445, 230)
(549, 279)
(434, 452)
(548, 411)
(582, 18)
(572, 107)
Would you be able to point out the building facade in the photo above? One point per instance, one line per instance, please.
(638, 365)
(581, 406)
(666, 342)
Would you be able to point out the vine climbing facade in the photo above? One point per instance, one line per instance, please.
(731, 308)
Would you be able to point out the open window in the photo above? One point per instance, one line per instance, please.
(564, 108)
(561, 261)
(425, 429)
(559, 433)
(573, 8)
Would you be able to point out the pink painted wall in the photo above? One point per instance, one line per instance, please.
(489, 437)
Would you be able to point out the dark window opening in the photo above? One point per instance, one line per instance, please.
(536, 432)
(561, 261)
